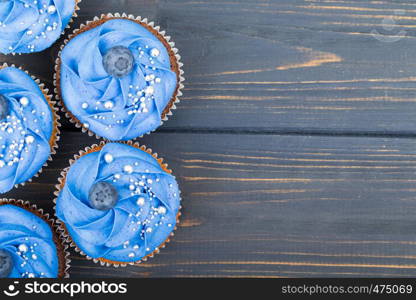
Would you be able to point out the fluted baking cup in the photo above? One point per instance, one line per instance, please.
(58, 238)
(61, 184)
(176, 65)
(54, 139)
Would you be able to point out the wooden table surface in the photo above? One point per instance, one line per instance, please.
(294, 144)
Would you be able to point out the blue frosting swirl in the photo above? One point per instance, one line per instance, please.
(144, 215)
(32, 25)
(25, 132)
(29, 241)
(117, 108)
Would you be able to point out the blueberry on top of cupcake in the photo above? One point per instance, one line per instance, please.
(103, 195)
(27, 249)
(118, 61)
(116, 79)
(118, 203)
(32, 25)
(26, 126)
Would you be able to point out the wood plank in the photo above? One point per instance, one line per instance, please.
(281, 65)
(272, 206)
(267, 205)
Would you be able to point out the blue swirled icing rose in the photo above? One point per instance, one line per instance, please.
(141, 220)
(114, 107)
(32, 25)
(28, 240)
(25, 130)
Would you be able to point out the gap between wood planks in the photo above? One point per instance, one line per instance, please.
(292, 131)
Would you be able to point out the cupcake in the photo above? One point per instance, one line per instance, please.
(28, 26)
(117, 203)
(119, 77)
(28, 127)
(30, 246)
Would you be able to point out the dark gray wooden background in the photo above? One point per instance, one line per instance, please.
(294, 143)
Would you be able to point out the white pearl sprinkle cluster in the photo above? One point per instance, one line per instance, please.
(43, 24)
(139, 98)
(140, 186)
(27, 251)
(14, 137)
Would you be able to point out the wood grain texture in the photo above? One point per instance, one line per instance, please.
(269, 205)
(282, 65)
(294, 143)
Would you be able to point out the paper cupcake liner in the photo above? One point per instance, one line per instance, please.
(62, 227)
(176, 65)
(58, 238)
(74, 15)
(54, 139)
